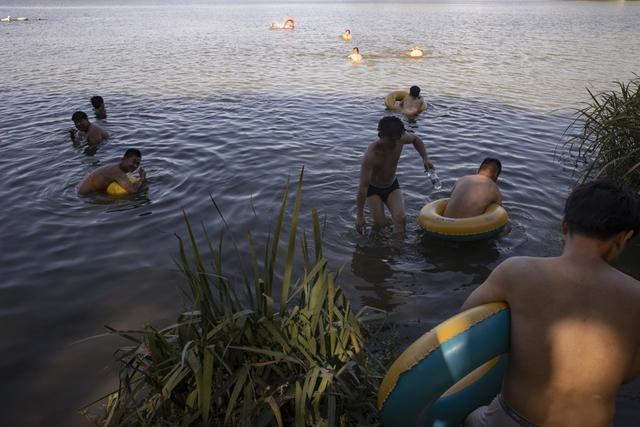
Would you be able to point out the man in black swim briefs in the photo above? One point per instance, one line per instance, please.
(378, 182)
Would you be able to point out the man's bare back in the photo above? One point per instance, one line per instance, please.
(574, 338)
(471, 196)
(574, 318)
(102, 177)
(412, 105)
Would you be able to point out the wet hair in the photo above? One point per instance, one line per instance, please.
(356, 50)
(491, 163)
(79, 115)
(97, 101)
(132, 152)
(390, 126)
(414, 91)
(601, 209)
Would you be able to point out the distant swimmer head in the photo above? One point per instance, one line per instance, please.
(491, 168)
(414, 91)
(390, 127)
(355, 50)
(97, 101)
(347, 34)
(602, 210)
(131, 160)
(80, 120)
(289, 24)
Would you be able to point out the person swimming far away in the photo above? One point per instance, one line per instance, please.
(355, 55)
(287, 24)
(102, 177)
(98, 107)
(347, 35)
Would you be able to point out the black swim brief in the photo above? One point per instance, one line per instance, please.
(383, 192)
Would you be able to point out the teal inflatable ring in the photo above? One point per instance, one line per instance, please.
(448, 372)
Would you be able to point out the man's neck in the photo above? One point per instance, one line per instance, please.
(586, 249)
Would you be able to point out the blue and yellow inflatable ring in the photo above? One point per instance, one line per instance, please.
(448, 372)
(489, 224)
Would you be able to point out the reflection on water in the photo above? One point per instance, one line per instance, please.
(229, 111)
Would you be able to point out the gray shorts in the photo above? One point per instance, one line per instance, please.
(497, 414)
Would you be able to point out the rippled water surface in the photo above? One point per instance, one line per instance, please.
(222, 106)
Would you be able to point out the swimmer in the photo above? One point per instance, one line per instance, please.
(574, 319)
(287, 24)
(472, 194)
(413, 103)
(346, 35)
(416, 52)
(378, 182)
(98, 107)
(93, 134)
(99, 179)
(355, 55)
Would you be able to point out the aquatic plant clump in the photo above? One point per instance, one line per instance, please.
(607, 141)
(246, 360)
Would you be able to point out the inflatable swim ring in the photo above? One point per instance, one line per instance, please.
(448, 372)
(115, 189)
(489, 224)
(397, 96)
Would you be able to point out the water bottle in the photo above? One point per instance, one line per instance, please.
(433, 176)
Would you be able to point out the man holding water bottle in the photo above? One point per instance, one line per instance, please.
(378, 182)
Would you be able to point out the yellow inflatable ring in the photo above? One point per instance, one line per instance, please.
(115, 189)
(489, 224)
(448, 372)
(397, 96)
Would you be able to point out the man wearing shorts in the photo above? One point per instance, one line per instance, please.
(574, 319)
(378, 183)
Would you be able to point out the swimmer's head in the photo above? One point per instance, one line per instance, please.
(491, 167)
(80, 120)
(602, 210)
(97, 102)
(414, 91)
(390, 127)
(355, 50)
(131, 160)
(347, 31)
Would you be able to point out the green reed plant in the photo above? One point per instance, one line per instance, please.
(605, 136)
(245, 360)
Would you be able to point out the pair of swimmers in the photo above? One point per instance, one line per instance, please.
(379, 186)
(102, 177)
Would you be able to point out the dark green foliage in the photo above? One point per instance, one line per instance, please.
(605, 137)
(242, 361)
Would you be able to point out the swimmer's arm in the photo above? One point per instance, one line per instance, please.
(131, 187)
(417, 143)
(492, 290)
(365, 178)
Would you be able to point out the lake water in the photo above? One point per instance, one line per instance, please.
(220, 105)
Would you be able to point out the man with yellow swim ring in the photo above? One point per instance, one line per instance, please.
(574, 337)
(101, 178)
(473, 194)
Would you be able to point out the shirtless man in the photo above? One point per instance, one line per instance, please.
(99, 179)
(472, 194)
(574, 319)
(355, 55)
(413, 103)
(347, 35)
(98, 107)
(93, 134)
(378, 182)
